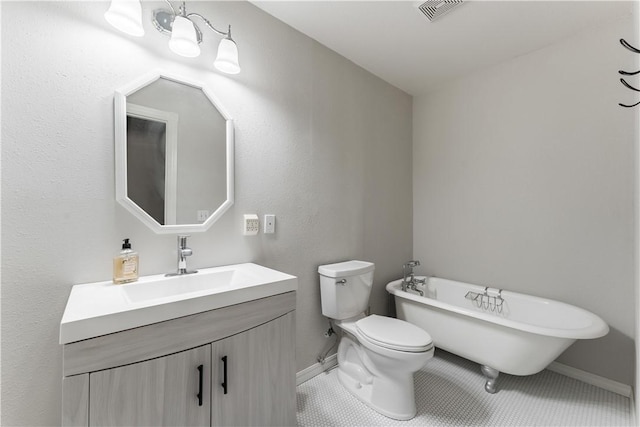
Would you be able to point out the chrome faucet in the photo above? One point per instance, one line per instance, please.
(412, 282)
(183, 253)
(409, 265)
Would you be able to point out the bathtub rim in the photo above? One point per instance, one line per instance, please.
(597, 329)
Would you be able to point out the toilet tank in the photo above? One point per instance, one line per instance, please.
(345, 288)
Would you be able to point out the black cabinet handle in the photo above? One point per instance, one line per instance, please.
(224, 375)
(200, 377)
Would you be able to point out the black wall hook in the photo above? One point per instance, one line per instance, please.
(624, 43)
(627, 85)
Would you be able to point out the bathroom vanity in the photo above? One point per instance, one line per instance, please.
(214, 348)
(181, 353)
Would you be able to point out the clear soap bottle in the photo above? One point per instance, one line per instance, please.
(125, 264)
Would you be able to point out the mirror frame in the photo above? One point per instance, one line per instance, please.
(120, 122)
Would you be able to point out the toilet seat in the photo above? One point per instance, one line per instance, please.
(393, 334)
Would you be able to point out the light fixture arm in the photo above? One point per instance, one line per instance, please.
(126, 16)
(173, 11)
(206, 21)
(186, 36)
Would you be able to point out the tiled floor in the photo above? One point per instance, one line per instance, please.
(450, 392)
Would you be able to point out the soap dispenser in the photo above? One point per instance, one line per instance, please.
(125, 264)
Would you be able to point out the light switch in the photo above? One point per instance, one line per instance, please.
(269, 224)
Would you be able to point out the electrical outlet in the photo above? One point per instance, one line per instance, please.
(250, 225)
(202, 215)
(269, 224)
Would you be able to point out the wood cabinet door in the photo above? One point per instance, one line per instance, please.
(157, 392)
(260, 376)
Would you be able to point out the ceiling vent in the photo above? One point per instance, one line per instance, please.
(433, 9)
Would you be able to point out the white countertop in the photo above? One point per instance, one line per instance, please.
(100, 308)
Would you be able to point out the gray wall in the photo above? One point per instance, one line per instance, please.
(320, 143)
(524, 180)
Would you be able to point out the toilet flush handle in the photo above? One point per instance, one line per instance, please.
(341, 282)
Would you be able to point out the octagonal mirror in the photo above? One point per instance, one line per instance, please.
(174, 153)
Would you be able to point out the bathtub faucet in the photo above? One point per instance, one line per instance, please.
(409, 280)
(408, 266)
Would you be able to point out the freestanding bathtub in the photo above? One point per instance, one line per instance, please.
(503, 331)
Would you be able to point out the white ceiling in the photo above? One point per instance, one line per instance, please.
(396, 42)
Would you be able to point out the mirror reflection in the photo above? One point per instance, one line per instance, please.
(176, 153)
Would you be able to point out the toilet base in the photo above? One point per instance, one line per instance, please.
(364, 392)
(388, 391)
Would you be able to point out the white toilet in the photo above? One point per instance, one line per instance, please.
(377, 355)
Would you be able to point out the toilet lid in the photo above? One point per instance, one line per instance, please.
(394, 334)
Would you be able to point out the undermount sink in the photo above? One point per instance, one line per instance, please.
(95, 309)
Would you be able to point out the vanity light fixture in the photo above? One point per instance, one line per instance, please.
(185, 34)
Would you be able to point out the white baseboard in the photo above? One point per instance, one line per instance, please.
(307, 373)
(593, 379)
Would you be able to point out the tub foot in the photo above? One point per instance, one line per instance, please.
(492, 376)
